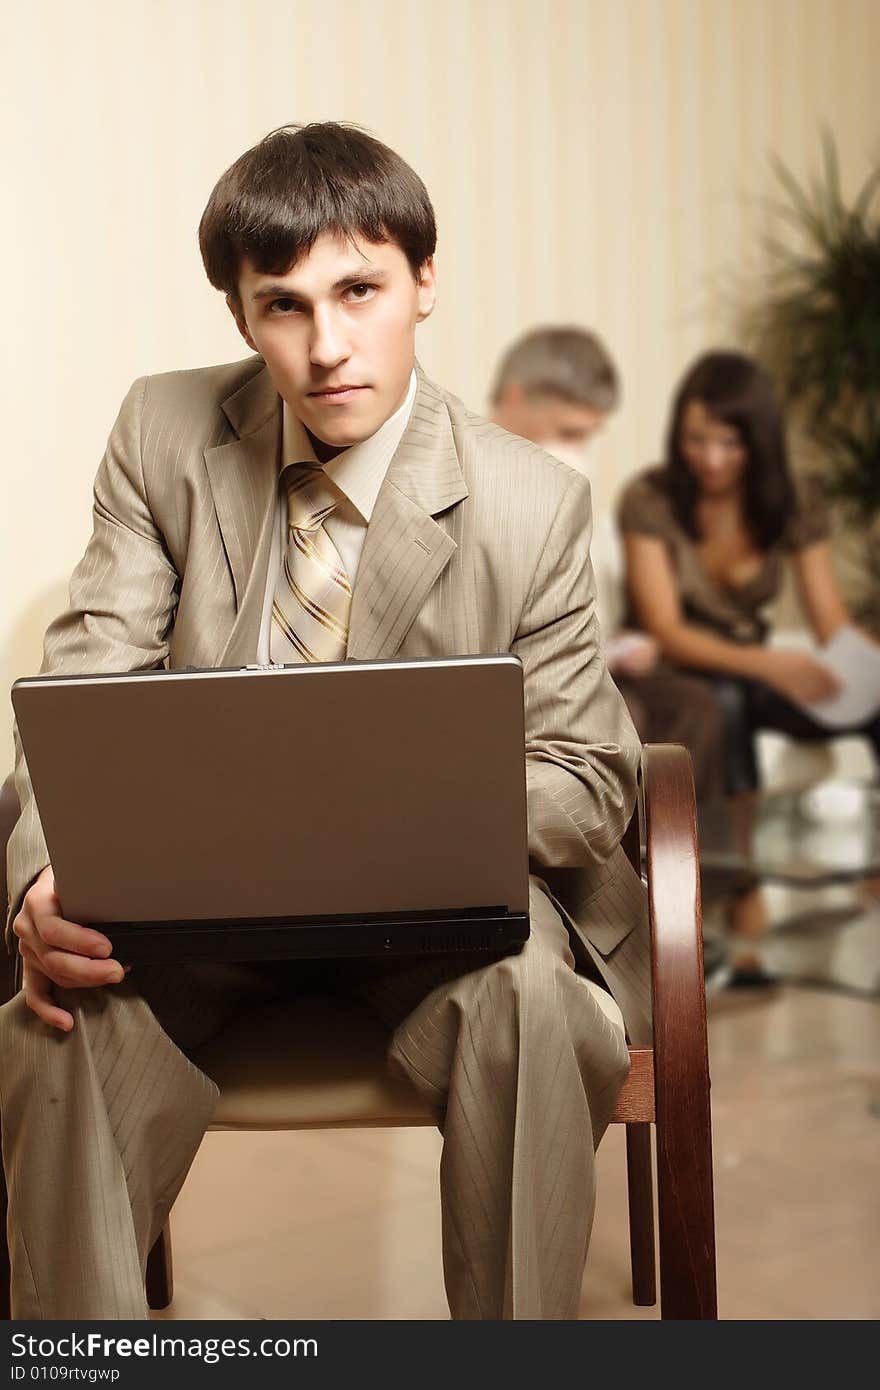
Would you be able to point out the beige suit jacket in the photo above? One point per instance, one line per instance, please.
(479, 542)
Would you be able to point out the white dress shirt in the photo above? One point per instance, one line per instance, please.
(358, 472)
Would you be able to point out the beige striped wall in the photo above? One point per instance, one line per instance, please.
(602, 161)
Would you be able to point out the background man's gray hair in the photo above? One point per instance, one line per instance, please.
(561, 361)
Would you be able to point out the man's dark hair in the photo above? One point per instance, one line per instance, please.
(273, 203)
(735, 389)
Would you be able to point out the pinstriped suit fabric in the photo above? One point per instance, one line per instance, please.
(478, 542)
(79, 1114)
(517, 1173)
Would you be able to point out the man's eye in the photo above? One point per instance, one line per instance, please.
(361, 291)
(282, 306)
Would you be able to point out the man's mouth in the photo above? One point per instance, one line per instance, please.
(331, 395)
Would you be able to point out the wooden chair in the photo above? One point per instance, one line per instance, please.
(668, 1084)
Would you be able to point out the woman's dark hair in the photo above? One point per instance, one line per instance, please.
(273, 203)
(736, 390)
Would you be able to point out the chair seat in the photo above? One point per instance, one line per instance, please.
(317, 1062)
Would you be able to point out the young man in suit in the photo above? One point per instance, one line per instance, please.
(323, 498)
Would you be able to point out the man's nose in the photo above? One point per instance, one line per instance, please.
(328, 347)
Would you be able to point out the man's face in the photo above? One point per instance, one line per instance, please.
(337, 333)
(547, 419)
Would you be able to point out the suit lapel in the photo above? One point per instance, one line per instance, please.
(406, 550)
(243, 476)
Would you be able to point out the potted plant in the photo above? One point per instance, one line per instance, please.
(818, 329)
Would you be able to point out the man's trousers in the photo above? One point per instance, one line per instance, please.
(520, 1061)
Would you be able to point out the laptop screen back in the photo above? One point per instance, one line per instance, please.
(359, 788)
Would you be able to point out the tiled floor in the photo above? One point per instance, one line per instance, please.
(346, 1224)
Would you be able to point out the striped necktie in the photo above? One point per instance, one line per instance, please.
(312, 601)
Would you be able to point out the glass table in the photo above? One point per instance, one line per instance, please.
(822, 934)
(791, 846)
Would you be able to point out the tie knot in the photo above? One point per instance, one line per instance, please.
(311, 496)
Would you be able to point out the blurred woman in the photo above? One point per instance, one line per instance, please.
(706, 537)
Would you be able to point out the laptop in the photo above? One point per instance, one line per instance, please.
(346, 809)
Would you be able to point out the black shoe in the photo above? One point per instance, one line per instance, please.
(717, 969)
(752, 977)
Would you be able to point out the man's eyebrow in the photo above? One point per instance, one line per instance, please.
(355, 278)
(359, 279)
(273, 292)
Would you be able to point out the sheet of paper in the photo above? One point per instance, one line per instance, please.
(855, 661)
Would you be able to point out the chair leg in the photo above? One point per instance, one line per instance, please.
(640, 1183)
(159, 1279)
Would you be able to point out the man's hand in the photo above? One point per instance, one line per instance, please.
(799, 677)
(631, 653)
(54, 951)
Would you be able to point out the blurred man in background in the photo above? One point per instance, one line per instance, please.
(556, 386)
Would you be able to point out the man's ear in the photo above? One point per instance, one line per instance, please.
(235, 311)
(426, 288)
